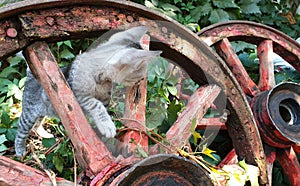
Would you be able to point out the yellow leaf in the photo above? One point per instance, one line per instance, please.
(208, 152)
(183, 153)
(196, 136)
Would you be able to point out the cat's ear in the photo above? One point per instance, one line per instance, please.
(136, 59)
(134, 34)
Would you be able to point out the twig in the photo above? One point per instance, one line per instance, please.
(53, 146)
(149, 136)
(129, 119)
(49, 173)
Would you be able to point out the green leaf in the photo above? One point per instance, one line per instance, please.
(15, 60)
(156, 117)
(14, 90)
(139, 152)
(250, 8)
(58, 163)
(2, 148)
(169, 7)
(155, 2)
(4, 82)
(5, 118)
(200, 11)
(66, 54)
(11, 134)
(22, 82)
(218, 15)
(68, 43)
(2, 138)
(172, 90)
(48, 142)
(224, 4)
(3, 130)
(8, 71)
(173, 111)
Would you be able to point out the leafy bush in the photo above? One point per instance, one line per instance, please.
(196, 14)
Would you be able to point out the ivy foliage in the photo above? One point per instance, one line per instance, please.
(197, 14)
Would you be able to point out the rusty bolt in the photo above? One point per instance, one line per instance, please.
(50, 21)
(11, 32)
(233, 91)
(130, 19)
(164, 30)
(122, 16)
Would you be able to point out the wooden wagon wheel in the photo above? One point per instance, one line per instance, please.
(275, 107)
(23, 24)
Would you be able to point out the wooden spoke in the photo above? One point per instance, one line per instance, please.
(226, 51)
(212, 122)
(45, 68)
(231, 158)
(296, 148)
(16, 173)
(290, 164)
(198, 104)
(270, 158)
(135, 113)
(266, 67)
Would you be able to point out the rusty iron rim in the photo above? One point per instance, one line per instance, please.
(165, 169)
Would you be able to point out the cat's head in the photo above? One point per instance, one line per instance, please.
(129, 61)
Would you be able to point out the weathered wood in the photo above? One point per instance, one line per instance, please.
(91, 153)
(266, 65)
(254, 33)
(226, 51)
(186, 123)
(290, 164)
(15, 173)
(231, 158)
(135, 112)
(211, 122)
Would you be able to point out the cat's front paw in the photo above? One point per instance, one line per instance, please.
(20, 150)
(107, 128)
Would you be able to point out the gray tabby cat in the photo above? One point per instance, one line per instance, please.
(121, 59)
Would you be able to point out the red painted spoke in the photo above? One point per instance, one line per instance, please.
(290, 164)
(226, 51)
(16, 173)
(296, 148)
(231, 158)
(266, 68)
(42, 63)
(135, 113)
(270, 158)
(211, 122)
(199, 102)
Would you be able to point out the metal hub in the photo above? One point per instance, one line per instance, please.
(278, 115)
(165, 169)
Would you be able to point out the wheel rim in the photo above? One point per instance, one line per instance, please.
(268, 41)
(179, 44)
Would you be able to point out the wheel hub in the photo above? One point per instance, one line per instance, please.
(277, 115)
(165, 169)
